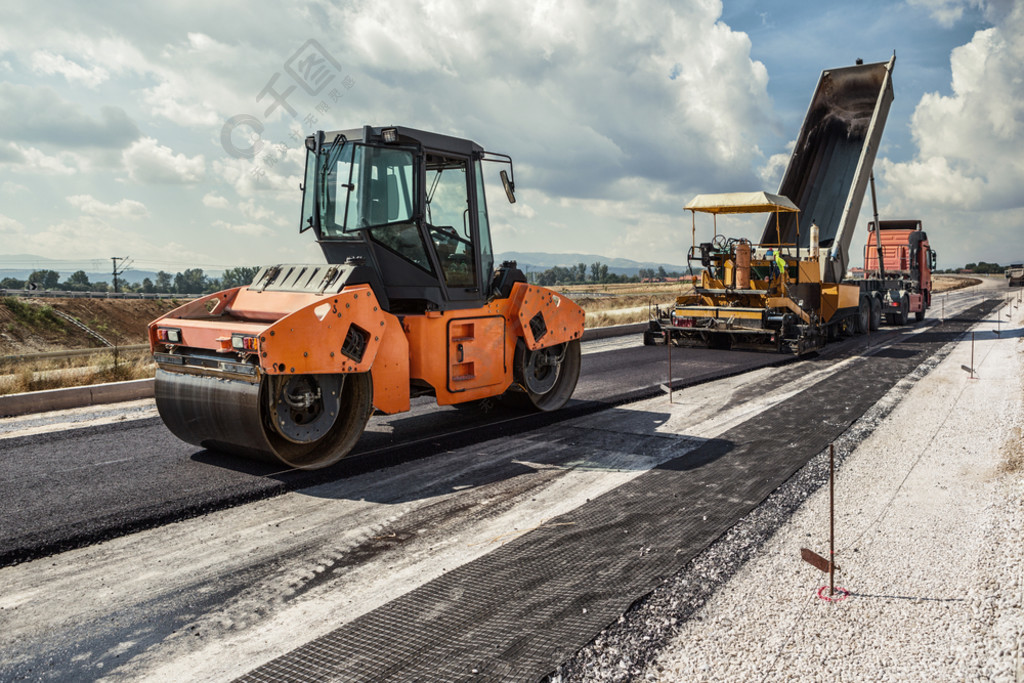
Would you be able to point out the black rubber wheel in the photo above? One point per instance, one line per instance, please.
(863, 318)
(876, 313)
(903, 316)
(546, 376)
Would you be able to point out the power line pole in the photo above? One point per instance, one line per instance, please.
(118, 271)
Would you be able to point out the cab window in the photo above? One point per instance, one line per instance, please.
(448, 221)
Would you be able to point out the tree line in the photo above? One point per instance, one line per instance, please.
(979, 268)
(597, 274)
(190, 281)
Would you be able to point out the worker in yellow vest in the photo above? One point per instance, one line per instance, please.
(780, 262)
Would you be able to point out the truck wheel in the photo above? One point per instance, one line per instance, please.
(903, 317)
(876, 313)
(919, 315)
(863, 319)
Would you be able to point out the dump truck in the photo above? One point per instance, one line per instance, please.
(904, 283)
(1015, 275)
(787, 291)
(289, 368)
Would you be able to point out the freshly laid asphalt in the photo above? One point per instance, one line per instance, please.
(517, 612)
(68, 489)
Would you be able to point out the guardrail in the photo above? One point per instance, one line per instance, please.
(72, 353)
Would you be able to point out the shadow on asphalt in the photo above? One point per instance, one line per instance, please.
(635, 444)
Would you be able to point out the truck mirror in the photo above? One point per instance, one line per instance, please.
(931, 259)
(509, 187)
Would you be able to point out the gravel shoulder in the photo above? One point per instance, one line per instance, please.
(929, 538)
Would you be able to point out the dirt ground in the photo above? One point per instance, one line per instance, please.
(29, 325)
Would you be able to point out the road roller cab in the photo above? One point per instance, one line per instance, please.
(409, 303)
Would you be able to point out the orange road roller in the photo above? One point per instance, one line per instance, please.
(409, 303)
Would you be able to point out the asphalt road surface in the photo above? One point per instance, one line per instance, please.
(132, 474)
(427, 493)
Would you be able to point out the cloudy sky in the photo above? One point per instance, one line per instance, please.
(112, 116)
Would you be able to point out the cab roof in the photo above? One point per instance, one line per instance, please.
(430, 141)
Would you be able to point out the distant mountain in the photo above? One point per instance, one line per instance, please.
(538, 261)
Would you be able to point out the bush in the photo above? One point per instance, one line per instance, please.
(30, 315)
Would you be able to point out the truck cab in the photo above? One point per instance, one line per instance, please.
(907, 264)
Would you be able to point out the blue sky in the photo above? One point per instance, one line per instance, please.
(616, 114)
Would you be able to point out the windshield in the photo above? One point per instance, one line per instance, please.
(359, 186)
(356, 186)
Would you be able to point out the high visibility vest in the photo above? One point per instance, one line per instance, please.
(780, 262)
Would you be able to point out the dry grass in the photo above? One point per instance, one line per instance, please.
(607, 319)
(100, 356)
(75, 372)
(947, 283)
(612, 299)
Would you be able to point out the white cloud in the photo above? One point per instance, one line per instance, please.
(215, 201)
(259, 212)
(947, 12)
(41, 115)
(964, 181)
(14, 189)
(125, 208)
(963, 139)
(45, 62)
(172, 100)
(250, 229)
(522, 210)
(774, 168)
(650, 89)
(641, 103)
(10, 228)
(148, 161)
(23, 159)
(278, 169)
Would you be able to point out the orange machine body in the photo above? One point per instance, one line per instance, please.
(460, 354)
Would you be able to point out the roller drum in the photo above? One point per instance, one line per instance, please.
(231, 415)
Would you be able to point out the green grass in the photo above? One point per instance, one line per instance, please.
(31, 315)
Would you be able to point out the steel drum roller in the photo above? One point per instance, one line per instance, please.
(236, 416)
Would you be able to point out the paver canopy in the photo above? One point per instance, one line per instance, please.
(740, 202)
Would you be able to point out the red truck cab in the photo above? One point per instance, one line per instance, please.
(906, 257)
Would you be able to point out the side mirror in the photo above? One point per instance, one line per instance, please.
(510, 188)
